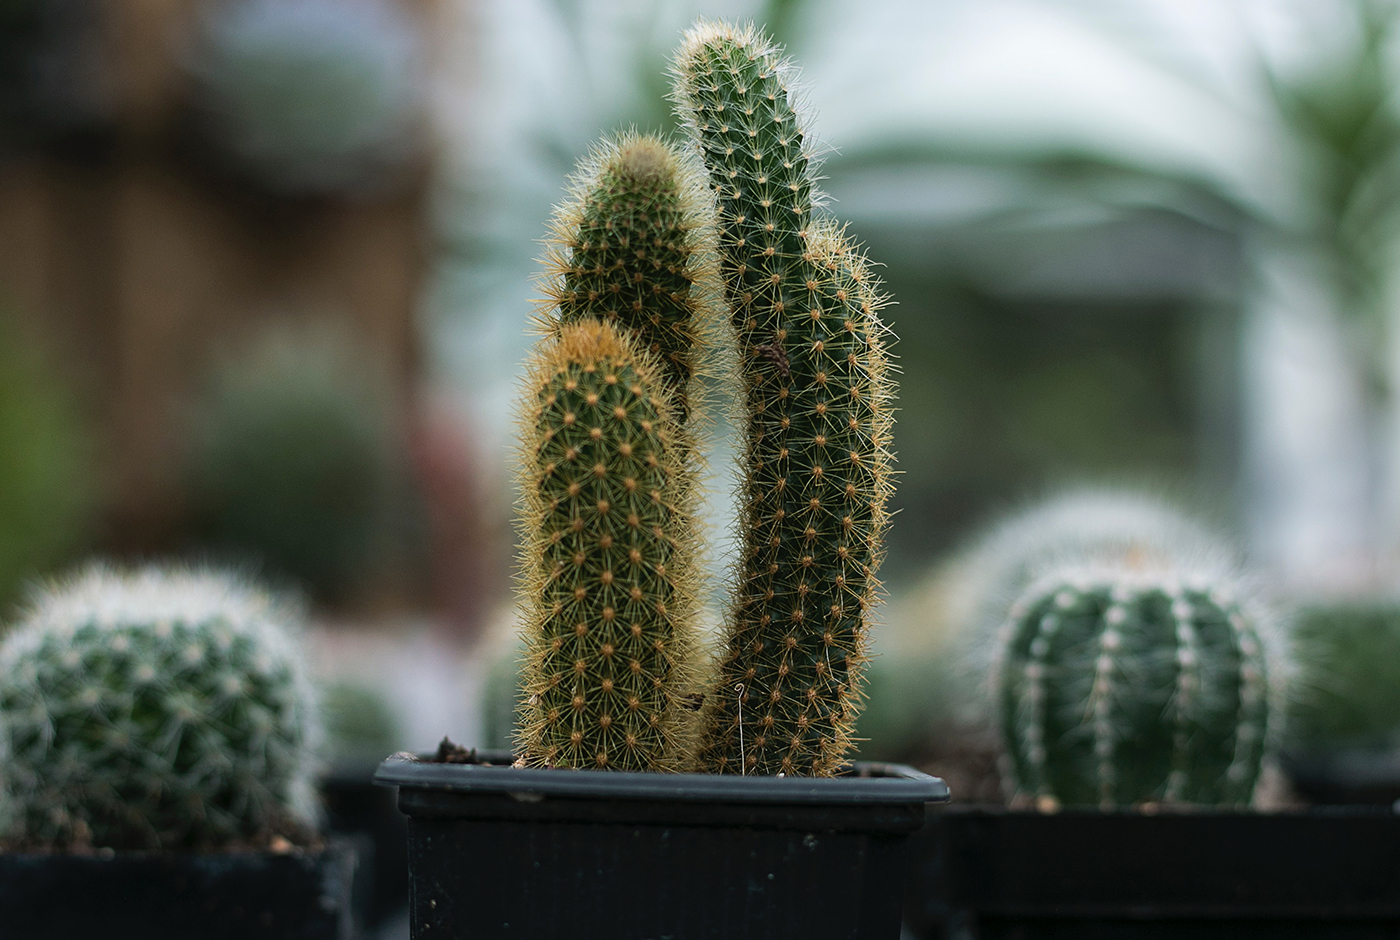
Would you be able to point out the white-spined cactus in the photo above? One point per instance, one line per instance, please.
(156, 709)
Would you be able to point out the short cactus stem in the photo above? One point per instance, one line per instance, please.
(815, 397)
(1116, 689)
(609, 576)
(633, 245)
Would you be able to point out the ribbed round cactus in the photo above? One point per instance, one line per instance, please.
(1117, 687)
(815, 398)
(155, 710)
(634, 246)
(609, 575)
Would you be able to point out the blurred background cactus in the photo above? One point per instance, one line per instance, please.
(48, 488)
(311, 97)
(1124, 685)
(361, 727)
(156, 709)
(1350, 681)
(298, 468)
(1343, 735)
(932, 698)
(1084, 526)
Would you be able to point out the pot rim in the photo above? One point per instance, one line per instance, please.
(870, 783)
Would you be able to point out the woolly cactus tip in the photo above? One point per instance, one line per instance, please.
(643, 160)
(156, 708)
(634, 244)
(705, 34)
(609, 580)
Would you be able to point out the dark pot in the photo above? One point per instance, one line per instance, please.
(177, 896)
(499, 852)
(993, 874)
(1346, 776)
(358, 810)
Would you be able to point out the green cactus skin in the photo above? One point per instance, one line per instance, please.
(634, 246)
(156, 710)
(1116, 689)
(816, 396)
(608, 569)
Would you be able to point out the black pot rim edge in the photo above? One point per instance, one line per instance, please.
(876, 784)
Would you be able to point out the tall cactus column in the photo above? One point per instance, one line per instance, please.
(609, 571)
(815, 391)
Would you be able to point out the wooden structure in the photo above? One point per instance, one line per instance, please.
(139, 264)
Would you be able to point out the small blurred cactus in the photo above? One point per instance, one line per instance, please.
(1349, 693)
(313, 97)
(47, 487)
(296, 466)
(501, 695)
(156, 709)
(360, 724)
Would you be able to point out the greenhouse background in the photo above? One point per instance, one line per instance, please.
(1142, 244)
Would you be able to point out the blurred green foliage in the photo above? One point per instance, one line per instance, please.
(297, 467)
(1350, 682)
(360, 725)
(911, 700)
(1008, 397)
(1342, 117)
(500, 696)
(48, 488)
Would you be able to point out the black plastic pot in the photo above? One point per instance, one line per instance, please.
(499, 852)
(993, 874)
(358, 810)
(1346, 776)
(176, 896)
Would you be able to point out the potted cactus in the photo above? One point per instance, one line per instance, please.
(1138, 688)
(651, 793)
(159, 733)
